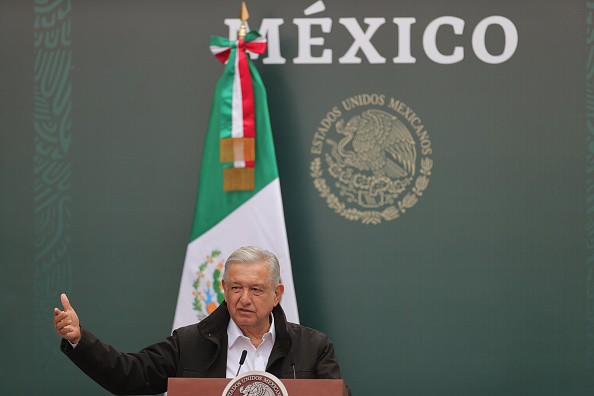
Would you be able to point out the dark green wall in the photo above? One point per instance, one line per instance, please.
(483, 287)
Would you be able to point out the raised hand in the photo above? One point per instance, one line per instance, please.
(66, 321)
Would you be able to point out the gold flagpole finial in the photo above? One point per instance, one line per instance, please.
(243, 15)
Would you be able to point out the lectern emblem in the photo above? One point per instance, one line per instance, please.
(371, 158)
(255, 383)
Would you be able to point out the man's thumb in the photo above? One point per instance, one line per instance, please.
(65, 302)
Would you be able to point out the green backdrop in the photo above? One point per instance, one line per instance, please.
(484, 287)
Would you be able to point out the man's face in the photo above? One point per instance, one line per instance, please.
(250, 296)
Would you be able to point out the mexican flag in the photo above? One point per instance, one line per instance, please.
(239, 198)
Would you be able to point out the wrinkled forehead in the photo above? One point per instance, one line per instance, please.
(248, 269)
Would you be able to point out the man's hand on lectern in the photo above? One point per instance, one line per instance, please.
(66, 321)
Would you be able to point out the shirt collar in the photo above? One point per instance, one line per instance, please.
(234, 332)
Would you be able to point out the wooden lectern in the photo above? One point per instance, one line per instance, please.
(215, 387)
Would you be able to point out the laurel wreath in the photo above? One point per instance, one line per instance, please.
(198, 296)
(373, 216)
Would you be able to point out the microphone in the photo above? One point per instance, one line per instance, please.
(292, 364)
(241, 361)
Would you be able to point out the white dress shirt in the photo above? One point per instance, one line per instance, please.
(256, 359)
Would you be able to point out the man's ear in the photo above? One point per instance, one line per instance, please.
(224, 289)
(278, 293)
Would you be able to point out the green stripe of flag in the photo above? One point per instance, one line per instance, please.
(213, 204)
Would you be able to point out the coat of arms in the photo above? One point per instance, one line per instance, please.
(208, 290)
(371, 158)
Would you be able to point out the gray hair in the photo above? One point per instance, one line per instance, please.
(252, 254)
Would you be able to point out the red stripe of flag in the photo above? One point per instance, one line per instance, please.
(247, 91)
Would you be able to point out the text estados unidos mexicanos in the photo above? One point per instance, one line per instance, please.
(241, 382)
(364, 100)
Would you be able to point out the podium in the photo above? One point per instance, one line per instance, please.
(295, 387)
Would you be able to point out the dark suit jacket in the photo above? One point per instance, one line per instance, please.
(200, 350)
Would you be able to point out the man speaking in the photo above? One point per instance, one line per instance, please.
(251, 319)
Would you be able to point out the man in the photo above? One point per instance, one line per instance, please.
(250, 319)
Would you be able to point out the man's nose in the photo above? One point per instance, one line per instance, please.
(245, 296)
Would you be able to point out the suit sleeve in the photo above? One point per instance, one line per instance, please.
(327, 366)
(143, 372)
